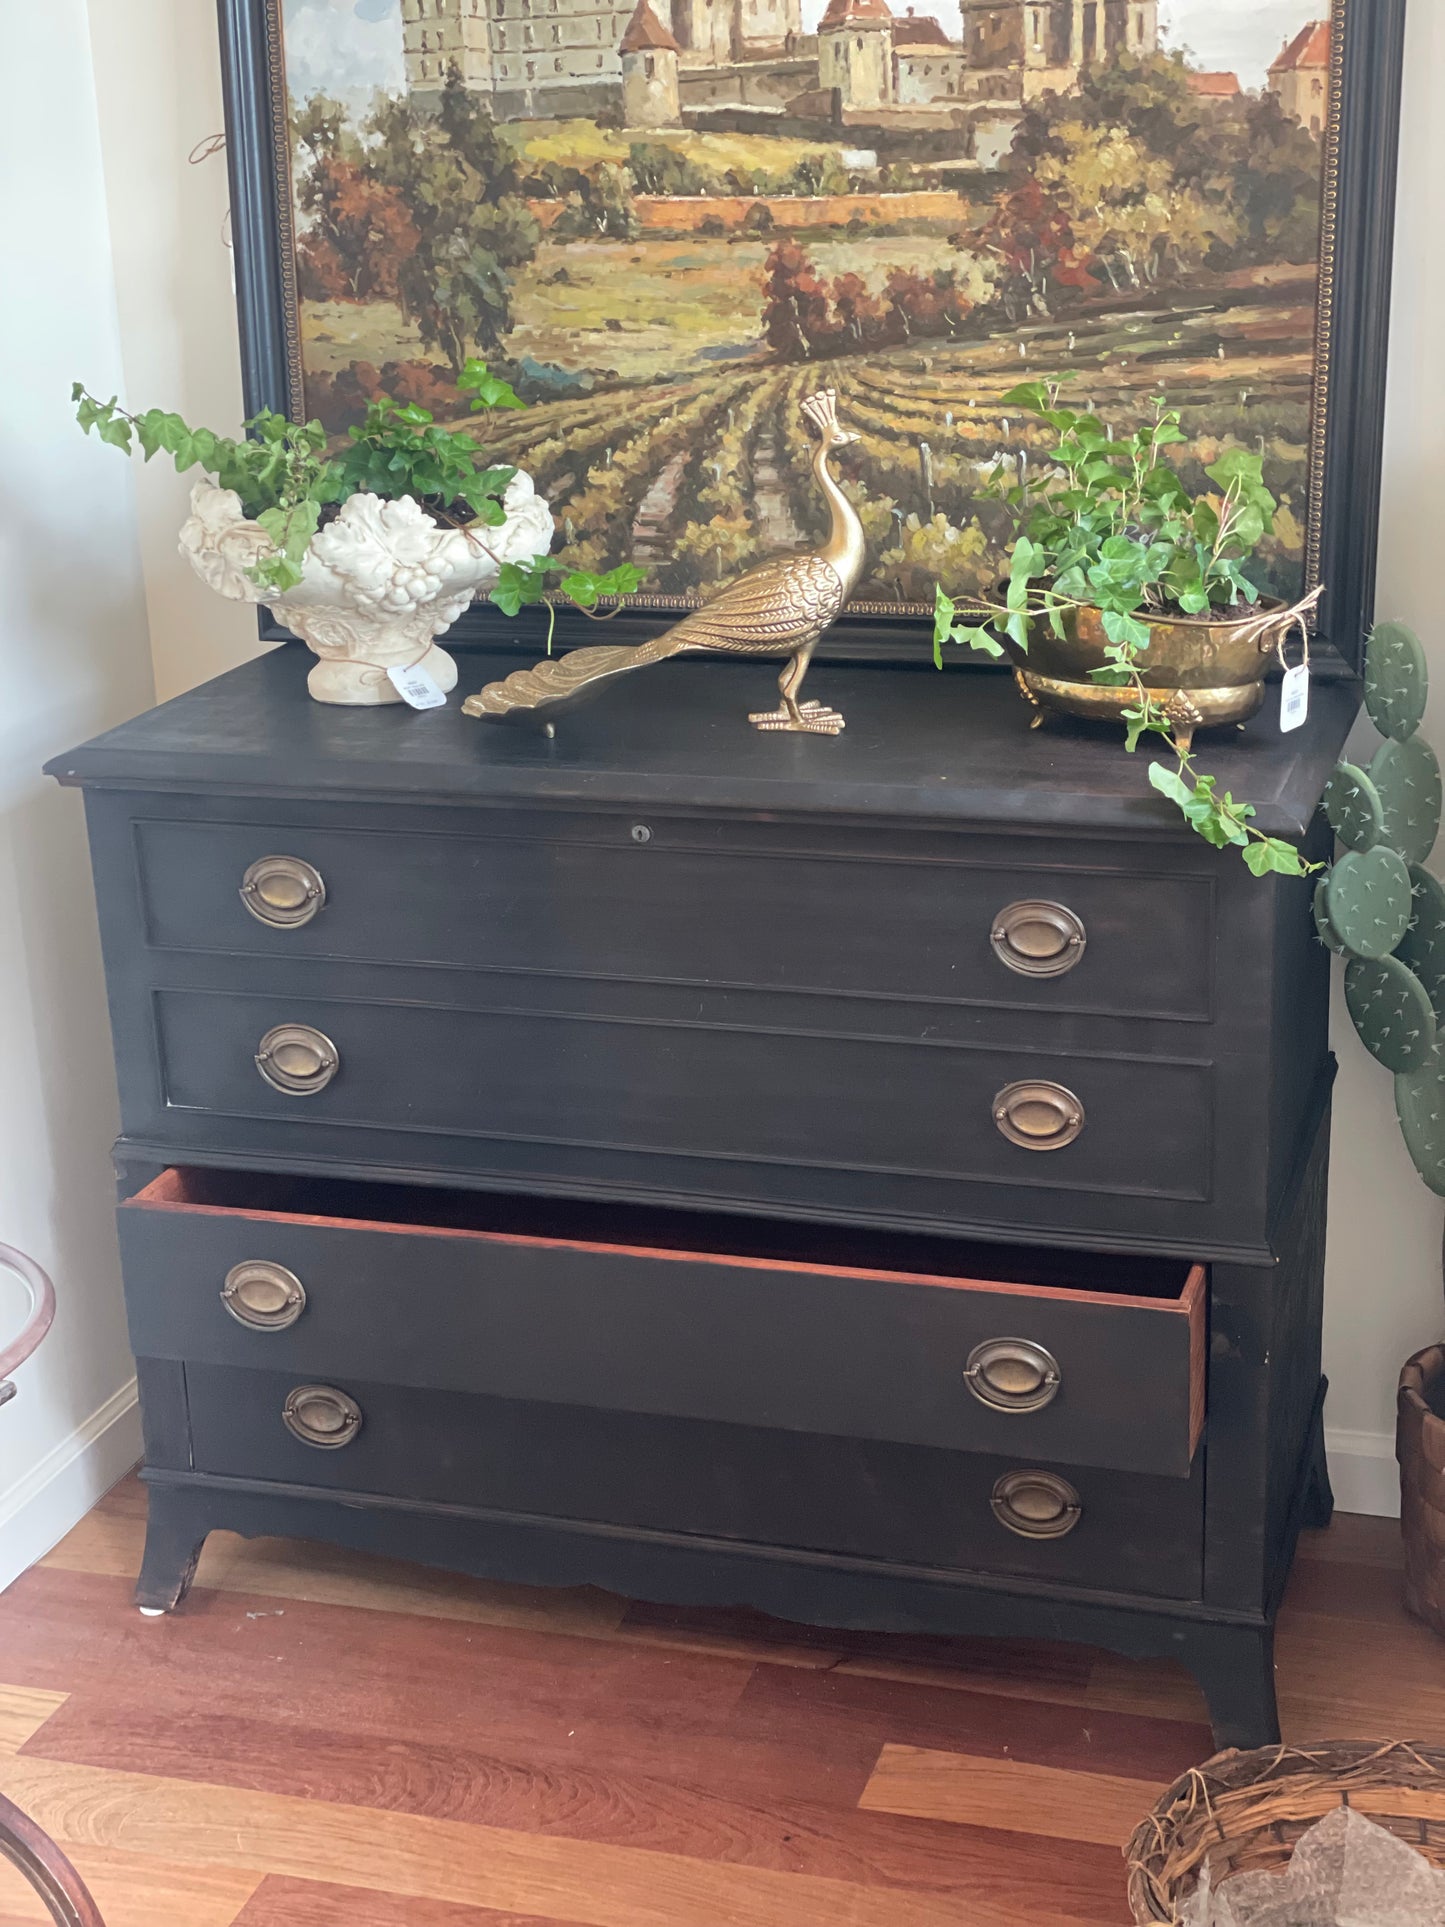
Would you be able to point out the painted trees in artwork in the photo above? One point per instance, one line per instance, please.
(1135, 182)
(796, 322)
(1038, 261)
(358, 231)
(474, 229)
(807, 316)
(422, 210)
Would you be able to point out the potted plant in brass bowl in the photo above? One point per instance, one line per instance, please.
(1127, 599)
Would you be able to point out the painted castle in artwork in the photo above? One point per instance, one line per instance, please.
(700, 62)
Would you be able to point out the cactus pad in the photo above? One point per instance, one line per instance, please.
(1392, 1012)
(1396, 680)
(1420, 1107)
(1352, 808)
(1423, 945)
(1368, 900)
(1324, 929)
(1407, 777)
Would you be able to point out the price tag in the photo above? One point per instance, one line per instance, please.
(416, 687)
(1294, 697)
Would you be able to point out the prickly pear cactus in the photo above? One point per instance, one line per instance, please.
(1406, 777)
(1352, 808)
(1392, 1012)
(1380, 908)
(1423, 945)
(1368, 900)
(1396, 680)
(1420, 1107)
(1324, 929)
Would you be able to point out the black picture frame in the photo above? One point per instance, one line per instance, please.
(1361, 153)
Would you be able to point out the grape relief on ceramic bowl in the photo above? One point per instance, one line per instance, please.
(380, 583)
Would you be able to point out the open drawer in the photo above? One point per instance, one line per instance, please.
(1072, 1358)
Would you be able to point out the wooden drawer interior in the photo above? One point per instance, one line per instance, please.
(804, 1327)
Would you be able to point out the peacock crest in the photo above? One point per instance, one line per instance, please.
(821, 409)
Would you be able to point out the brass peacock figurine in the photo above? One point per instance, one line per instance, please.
(780, 608)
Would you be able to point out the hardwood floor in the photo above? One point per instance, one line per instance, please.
(319, 1739)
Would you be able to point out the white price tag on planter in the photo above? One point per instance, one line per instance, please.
(1294, 697)
(416, 687)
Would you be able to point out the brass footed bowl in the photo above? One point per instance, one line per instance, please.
(1206, 670)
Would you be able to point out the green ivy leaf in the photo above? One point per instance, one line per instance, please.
(1121, 627)
(1268, 853)
(1170, 783)
(984, 641)
(486, 390)
(1141, 719)
(275, 572)
(1237, 466)
(291, 529)
(519, 583)
(1032, 395)
(943, 609)
(625, 579)
(1248, 527)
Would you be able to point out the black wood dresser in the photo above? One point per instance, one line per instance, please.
(879, 1179)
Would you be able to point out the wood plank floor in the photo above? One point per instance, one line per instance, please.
(319, 1739)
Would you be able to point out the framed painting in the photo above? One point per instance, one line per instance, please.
(665, 221)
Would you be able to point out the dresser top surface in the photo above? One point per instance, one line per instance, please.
(955, 748)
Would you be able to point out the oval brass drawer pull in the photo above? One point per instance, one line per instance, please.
(1012, 1375)
(297, 1059)
(1037, 938)
(284, 891)
(1037, 1115)
(264, 1296)
(319, 1415)
(1036, 1505)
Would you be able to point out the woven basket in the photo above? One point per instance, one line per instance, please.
(1420, 1448)
(1242, 1812)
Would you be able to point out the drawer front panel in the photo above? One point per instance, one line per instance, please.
(825, 1495)
(679, 1091)
(802, 1347)
(668, 910)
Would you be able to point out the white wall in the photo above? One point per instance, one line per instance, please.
(74, 655)
(1384, 1282)
(158, 81)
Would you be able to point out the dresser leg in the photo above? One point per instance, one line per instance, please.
(1235, 1666)
(175, 1533)
(1319, 1498)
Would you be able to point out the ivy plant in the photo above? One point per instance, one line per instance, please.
(1110, 526)
(286, 479)
(280, 470)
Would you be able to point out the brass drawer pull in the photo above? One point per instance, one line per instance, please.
(283, 891)
(264, 1296)
(1038, 1116)
(1012, 1375)
(1037, 938)
(1036, 1505)
(297, 1059)
(319, 1415)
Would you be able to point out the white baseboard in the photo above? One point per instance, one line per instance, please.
(1363, 1471)
(43, 1504)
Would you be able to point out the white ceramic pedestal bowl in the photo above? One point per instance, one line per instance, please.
(380, 582)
